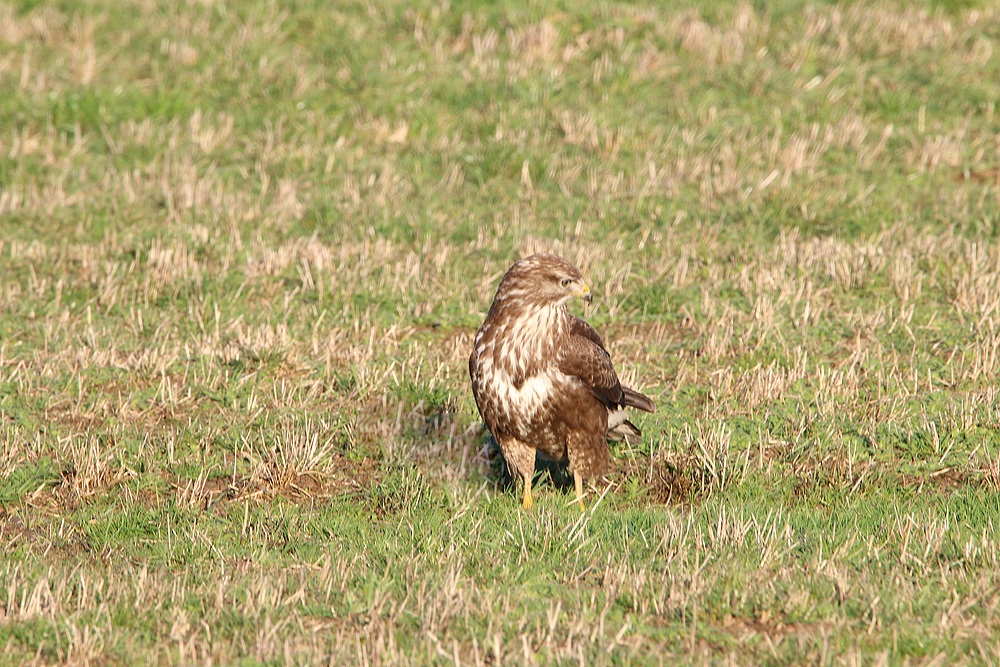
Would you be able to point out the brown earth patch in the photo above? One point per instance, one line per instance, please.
(667, 483)
(945, 480)
(15, 529)
(977, 176)
(343, 476)
(771, 628)
(681, 481)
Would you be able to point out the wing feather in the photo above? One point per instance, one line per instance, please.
(585, 357)
(578, 327)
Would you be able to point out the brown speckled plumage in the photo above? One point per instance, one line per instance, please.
(542, 378)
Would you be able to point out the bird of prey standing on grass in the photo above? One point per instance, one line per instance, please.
(542, 379)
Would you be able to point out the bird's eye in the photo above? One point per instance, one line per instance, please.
(565, 282)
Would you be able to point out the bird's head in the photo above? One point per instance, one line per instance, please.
(547, 280)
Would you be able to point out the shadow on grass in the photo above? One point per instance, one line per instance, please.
(664, 483)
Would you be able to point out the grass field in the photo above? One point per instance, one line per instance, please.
(244, 247)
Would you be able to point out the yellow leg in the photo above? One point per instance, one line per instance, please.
(578, 483)
(527, 494)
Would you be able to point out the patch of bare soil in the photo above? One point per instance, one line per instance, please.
(342, 476)
(835, 472)
(771, 628)
(28, 527)
(113, 401)
(667, 483)
(681, 481)
(977, 176)
(15, 529)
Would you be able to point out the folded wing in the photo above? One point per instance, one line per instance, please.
(584, 357)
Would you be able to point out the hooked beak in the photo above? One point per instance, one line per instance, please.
(585, 294)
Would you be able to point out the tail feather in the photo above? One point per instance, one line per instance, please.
(634, 399)
(626, 431)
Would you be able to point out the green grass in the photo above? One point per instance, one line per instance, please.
(244, 249)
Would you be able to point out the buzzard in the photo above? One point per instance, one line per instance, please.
(542, 379)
